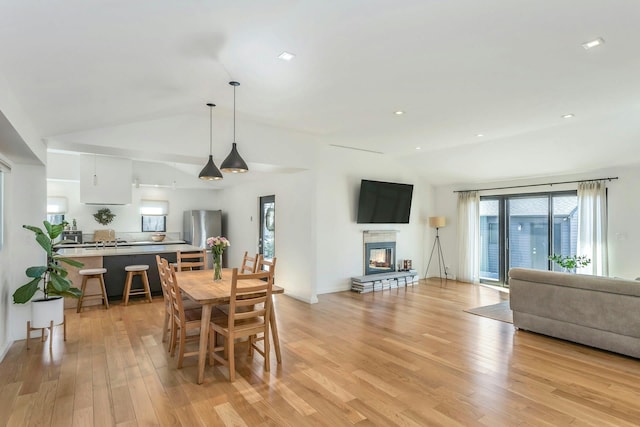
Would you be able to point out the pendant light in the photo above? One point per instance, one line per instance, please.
(233, 162)
(210, 172)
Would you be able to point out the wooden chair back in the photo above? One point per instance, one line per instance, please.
(191, 260)
(249, 264)
(266, 265)
(249, 301)
(164, 270)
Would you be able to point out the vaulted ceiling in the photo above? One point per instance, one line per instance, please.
(133, 77)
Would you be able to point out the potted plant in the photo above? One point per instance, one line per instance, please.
(53, 275)
(570, 262)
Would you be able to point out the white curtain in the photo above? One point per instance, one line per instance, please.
(469, 236)
(592, 227)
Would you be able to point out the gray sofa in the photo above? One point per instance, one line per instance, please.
(593, 310)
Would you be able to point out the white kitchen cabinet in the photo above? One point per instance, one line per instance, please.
(112, 182)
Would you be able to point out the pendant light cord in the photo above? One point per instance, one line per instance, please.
(210, 130)
(234, 114)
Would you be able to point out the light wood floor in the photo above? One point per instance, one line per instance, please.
(409, 357)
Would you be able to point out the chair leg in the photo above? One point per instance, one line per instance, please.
(267, 349)
(51, 336)
(145, 283)
(181, 348)
(104, 291)
(231, 358)
(174, 338)
(127, 288)
(64, 326)
(82, 289)
(165, 326)
(28, 332)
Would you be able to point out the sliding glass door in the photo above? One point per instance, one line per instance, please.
(523, 230)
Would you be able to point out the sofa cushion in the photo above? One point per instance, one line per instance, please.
(582, 281)
(597, 302)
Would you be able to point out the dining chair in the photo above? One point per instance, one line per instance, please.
(266, 265)
(249, 264)
(163, 272)
(186, 323)
(247, 290)
(270, 266)
(191, 260)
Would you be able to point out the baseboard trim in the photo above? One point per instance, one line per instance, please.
(5, 350)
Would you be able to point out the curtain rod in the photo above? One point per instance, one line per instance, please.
(538, 185)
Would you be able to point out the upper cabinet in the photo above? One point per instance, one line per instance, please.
(105, 180)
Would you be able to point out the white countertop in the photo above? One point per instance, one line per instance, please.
(78, 252)
(111, 244)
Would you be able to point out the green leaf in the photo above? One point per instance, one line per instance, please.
(25, 292)
(36, 230)
(47, 226)
(45, 242)
(55, 231)
(69, 261)
(71, 292)
(59, 283)
(36, 271)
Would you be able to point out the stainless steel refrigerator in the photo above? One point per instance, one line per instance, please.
(200, 224)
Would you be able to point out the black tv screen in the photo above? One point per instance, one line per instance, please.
(384, 202)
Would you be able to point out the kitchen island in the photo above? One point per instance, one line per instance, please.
(115, 259)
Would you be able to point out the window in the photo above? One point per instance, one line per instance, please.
(522, 230)
(154, 223)
(154, 215)
(55, 218)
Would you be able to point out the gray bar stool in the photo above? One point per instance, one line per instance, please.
(93, 273)
(136, 270)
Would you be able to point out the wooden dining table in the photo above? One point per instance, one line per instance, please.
(199, 286)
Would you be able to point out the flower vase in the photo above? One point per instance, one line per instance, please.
(217, 266)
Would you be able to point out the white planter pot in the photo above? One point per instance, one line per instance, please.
(44, 311)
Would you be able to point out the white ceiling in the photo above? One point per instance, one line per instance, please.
(137, 74)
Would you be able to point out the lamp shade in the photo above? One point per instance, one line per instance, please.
(233, 162)
(210, 172)
(437, 221)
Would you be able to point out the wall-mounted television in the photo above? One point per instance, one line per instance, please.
(384, 202)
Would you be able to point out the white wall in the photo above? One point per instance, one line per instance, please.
(340, 239)
(294, 228)
(623, 208)
(26, 204)
(5, 266)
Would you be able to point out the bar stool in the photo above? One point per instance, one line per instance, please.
(93, 273)
(136, 270)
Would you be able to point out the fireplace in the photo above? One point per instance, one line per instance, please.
(380, 257)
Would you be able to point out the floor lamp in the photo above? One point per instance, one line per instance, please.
(437, 222)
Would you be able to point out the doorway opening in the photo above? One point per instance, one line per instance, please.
(267, 239)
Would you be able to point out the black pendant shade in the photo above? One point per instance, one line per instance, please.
(234, 162)
(210, 172)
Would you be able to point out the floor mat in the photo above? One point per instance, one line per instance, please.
(500, 311)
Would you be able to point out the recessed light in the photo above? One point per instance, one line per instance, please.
(479, 135)
(593, 43)
(286, 56)
(418, 148)
(567, 116)
(398, 113)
